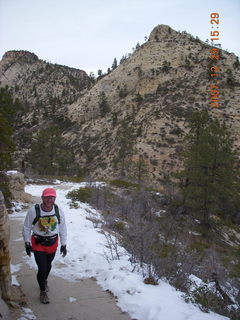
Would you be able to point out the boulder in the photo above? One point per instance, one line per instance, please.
(16, 185)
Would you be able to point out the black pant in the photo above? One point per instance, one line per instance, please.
(44, 263)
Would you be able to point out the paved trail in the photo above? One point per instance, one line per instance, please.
(92, 303)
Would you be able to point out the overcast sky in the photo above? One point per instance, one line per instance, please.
(89, 34)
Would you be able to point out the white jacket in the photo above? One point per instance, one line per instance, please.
(46, 226)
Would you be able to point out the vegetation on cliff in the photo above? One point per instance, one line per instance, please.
(8, 110)
(191, 228)
(210, 179)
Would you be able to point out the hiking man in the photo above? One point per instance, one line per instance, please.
(42, 225)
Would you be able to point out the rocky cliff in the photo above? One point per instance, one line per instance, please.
(5, 274)
(44, 89)
(11, 299)
(16, 184)
(141, 106)
(161, 83)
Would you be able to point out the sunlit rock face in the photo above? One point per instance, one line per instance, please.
(150, 95)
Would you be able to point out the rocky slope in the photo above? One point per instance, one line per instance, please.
(42, 87)
(147, 100)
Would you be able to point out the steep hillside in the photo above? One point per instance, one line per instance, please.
(43, 88)
(154, 91)
(138, 109)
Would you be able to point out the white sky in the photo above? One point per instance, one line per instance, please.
(89, 34)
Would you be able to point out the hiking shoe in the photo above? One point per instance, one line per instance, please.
(43, 297)
(46, 286)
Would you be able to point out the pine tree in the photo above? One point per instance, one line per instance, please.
(124, 58)
(103, 104)
(114, 65)
(8, 110)
(211, 180)
(140, 170)
(6, 144)
(137, 46)
(49, 154)
(125, 140)
(100, 73)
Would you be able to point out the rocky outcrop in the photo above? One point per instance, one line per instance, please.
(153, 92)
(43, 88)
(16, 184)
(5, 273)
(21, 56)
(149, 97)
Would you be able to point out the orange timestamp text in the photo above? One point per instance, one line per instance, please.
(214, 68)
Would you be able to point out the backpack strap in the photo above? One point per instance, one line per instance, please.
(37, 209)
(57, 213)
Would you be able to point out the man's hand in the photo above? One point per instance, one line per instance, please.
(28, 248)
(63, 250)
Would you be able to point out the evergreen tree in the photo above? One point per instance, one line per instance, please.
(137, 46)
(49, 154)
(103, 104)
(6, 144)
(140, 170)
(211, 180)
(124, 58)
(123, 92)
(125, 141)
(8, 109)
(114, 65)
(100, 73)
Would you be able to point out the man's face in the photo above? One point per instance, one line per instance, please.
(48, 202)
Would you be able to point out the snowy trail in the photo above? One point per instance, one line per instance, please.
(87, 258)
(81, 299)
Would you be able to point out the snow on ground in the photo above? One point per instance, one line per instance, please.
(10, 172)
(14, 269)
(27, 314)
(87, 257)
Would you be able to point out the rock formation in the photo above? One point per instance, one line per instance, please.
(147, 99)
(16, 184)
(5, 273)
